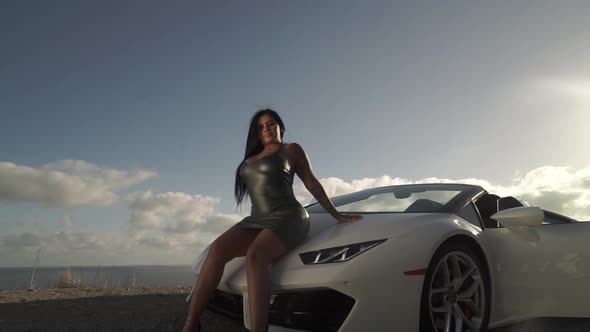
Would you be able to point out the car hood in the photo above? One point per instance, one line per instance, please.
(325, 232)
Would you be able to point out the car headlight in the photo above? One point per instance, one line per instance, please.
(338, 254)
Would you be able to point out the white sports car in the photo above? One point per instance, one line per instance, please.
(425, 257)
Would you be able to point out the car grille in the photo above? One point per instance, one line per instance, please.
(227, 306)
(310, 310)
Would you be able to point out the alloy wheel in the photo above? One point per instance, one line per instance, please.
(457, 294)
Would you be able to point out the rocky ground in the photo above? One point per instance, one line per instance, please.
(148, 309)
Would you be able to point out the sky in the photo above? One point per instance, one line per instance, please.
(122, 122)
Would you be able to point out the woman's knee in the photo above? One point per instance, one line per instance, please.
(255, 255)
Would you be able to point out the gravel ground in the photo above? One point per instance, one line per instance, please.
(124, 309)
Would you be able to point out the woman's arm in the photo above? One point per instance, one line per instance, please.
(303, 170)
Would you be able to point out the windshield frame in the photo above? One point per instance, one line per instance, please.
(466, 193)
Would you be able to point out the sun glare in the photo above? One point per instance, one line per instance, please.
(574, 88)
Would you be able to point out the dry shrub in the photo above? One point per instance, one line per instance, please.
(69, 279)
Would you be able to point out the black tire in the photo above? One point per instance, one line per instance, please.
(426, 322)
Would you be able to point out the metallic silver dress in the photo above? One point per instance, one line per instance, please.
(274, 205)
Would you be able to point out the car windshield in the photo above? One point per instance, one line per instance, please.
(406, 199)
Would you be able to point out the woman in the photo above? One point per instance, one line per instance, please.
(278, 222)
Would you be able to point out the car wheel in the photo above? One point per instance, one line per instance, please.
(456, 291)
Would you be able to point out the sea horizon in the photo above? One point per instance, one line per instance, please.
(100, 276)
(55, 266)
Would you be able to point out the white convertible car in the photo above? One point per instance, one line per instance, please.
(425, 257)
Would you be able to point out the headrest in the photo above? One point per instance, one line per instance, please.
(508, 202)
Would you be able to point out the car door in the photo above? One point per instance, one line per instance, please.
(564, 249)
(514, 259)
(541, 270)
(510, 256)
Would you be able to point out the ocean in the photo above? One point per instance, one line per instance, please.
(102, 276)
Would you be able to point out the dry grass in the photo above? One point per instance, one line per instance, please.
(72, 279)
(69, 279)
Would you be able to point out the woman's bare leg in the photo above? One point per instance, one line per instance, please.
(233, 243)
(262, 253)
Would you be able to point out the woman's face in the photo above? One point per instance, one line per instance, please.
(269, 130)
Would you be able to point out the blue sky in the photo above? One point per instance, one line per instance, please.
(123, 122)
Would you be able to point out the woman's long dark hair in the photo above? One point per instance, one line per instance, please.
(253, 147)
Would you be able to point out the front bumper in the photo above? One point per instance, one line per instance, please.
(303, 310)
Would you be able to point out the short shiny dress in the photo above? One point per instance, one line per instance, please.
(274, 206)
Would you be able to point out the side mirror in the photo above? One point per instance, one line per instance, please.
(520, 216)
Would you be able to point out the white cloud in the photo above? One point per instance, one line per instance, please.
(74, 245)
(164, 228)
(66, 242)
(336, 187)
(176, 220)
(175, 212)
(173, 227)
(217, 223)
(66, 183)
(89, 248)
